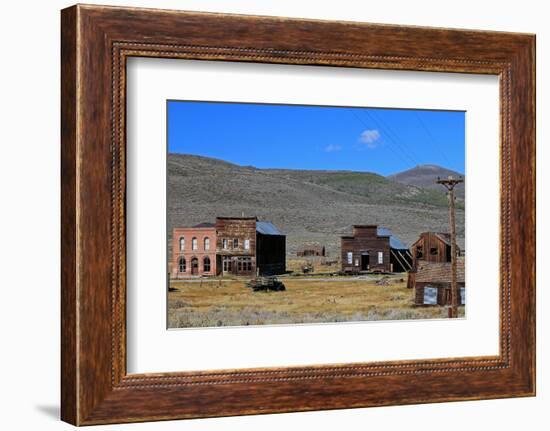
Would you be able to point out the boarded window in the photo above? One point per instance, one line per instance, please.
(207, 243)
(182, 243)
(462, 296)
(380, 258)
(350, 257)
(194, 244)
(430, 295)
(247, 244)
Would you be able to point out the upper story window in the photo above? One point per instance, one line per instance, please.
(182, 243)
(224, 243)
(207, 243)
(433, 251)
(194, 244)
(380, 257)
(247, 244)
(235, 243)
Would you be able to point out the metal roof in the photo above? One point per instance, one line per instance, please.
(267, 228)
(394, 241)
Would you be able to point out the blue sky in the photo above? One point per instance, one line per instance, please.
(384, 141)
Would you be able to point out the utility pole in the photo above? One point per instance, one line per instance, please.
(450, 183)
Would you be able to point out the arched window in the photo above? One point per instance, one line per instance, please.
(194, 244)
(207, 243)
(206, 264)
(181, 264)
(182, 243)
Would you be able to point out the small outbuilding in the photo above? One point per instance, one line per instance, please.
(432, 247)
(432, 282)
(311, 250)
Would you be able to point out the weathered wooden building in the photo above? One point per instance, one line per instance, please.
(371, 248)
(236, 245)
(432, 282)
(432, 247)
(307, 250)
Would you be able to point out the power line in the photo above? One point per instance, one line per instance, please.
(432, 139)
(389, 131)
(367, 126)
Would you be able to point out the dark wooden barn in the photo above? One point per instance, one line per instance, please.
(432, 247)
(270, 249)
(432, 282)
(307, 250)
(371, 248)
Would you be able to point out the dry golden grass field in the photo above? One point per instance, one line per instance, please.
(229, 302)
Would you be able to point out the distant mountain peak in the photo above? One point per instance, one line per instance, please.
(426, 176)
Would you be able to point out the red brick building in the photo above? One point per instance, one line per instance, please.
(194, 250)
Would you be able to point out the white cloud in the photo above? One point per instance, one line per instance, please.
(331, 148)
(370, 138)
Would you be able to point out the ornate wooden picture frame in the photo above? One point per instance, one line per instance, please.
(96, 41)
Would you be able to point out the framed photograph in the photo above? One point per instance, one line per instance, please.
(265, 215)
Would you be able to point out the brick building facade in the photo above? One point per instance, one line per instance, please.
(194, 250)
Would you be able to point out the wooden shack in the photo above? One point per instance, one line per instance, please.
(432, 282)
(432, 247)
(374, 249)
(308, 250)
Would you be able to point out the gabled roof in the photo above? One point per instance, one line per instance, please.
(439, 272)
(395, 242)
(445, 237)
(267, 228)
(442, 236)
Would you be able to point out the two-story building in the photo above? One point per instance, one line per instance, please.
(372, 248)
(194, 250)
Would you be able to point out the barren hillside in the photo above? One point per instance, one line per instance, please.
(308, 206)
